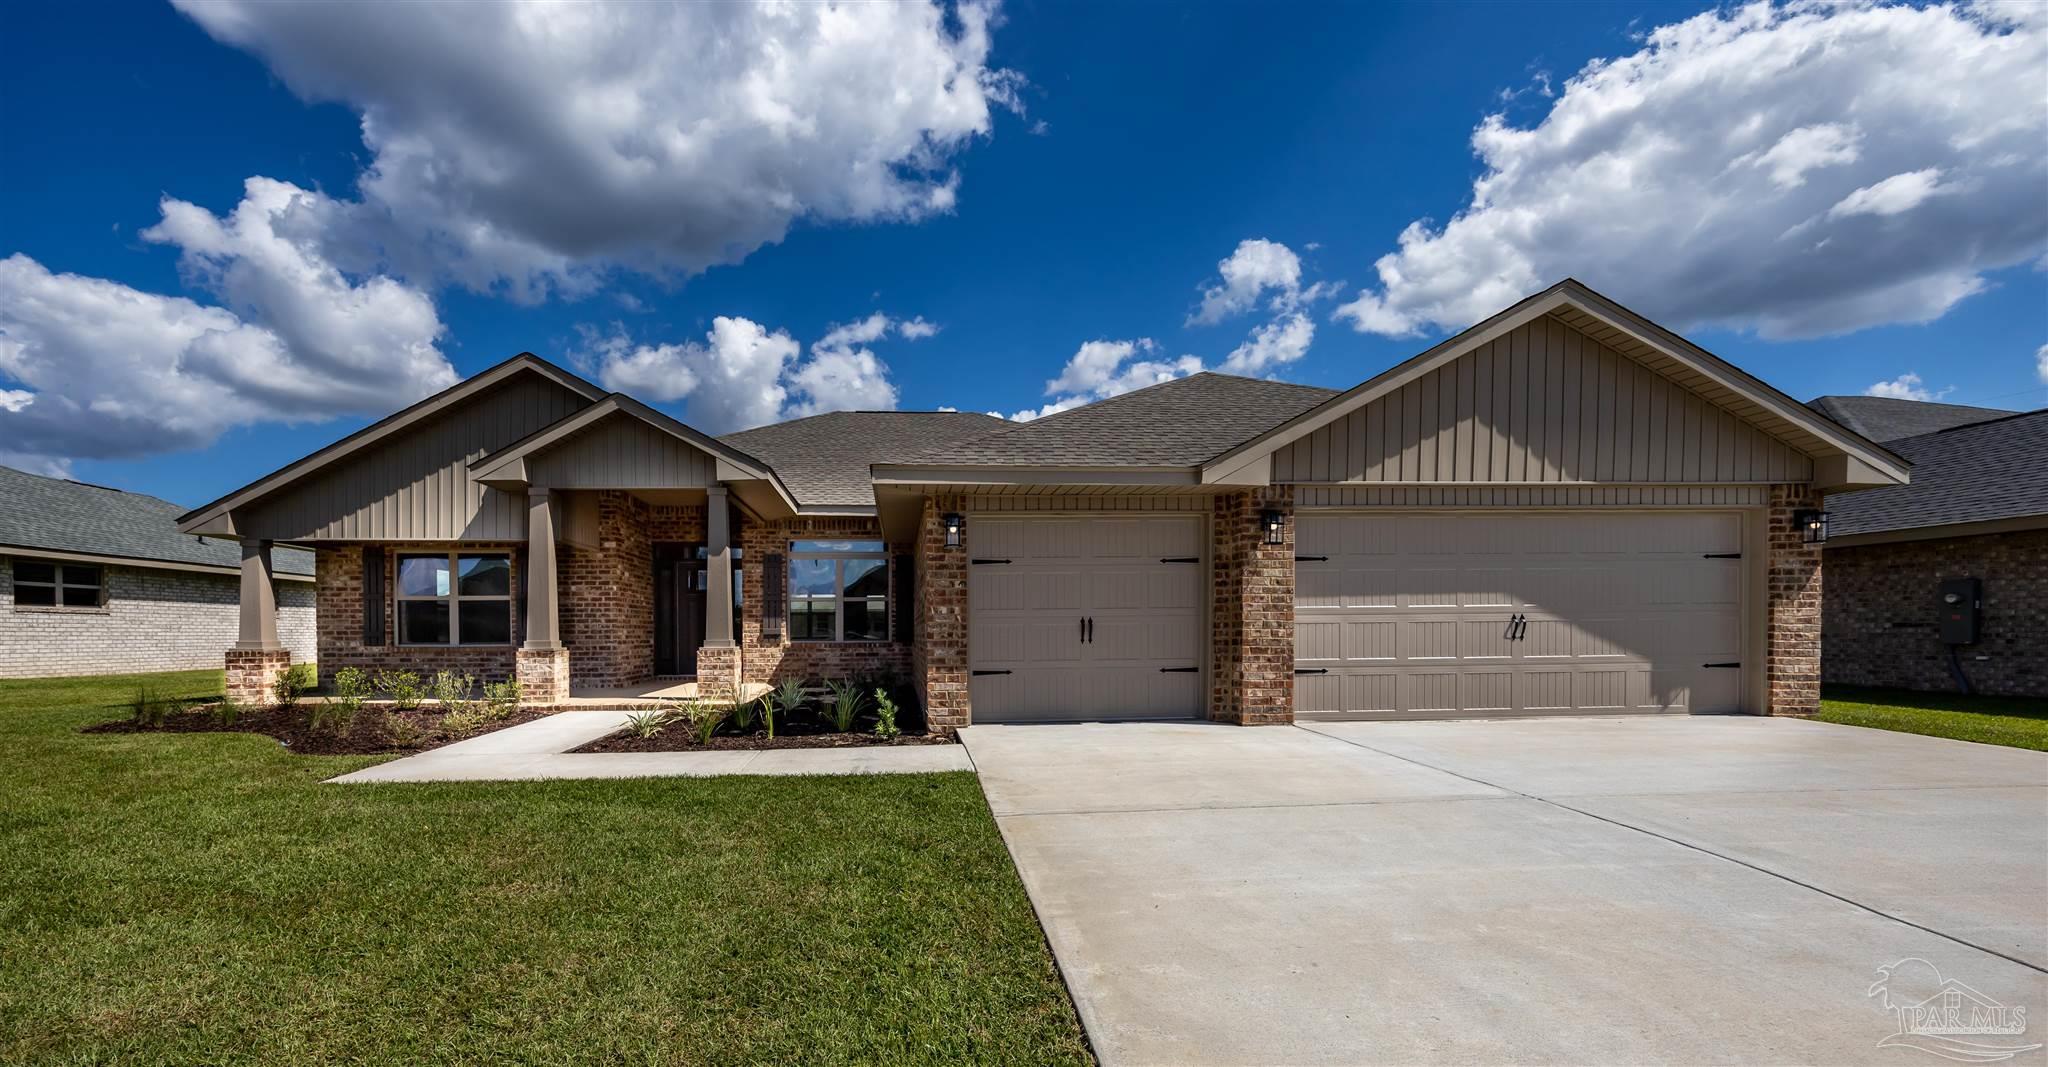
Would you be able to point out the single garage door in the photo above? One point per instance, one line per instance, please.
(1085, 618)
(1422, 615)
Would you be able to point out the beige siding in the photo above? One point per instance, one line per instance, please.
(1544, 403)
(417, 486)
(622, 452)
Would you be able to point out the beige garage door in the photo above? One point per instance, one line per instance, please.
(1085, 618)
(1434, 615)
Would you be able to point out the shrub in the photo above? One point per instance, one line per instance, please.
(403, 730)
(885, 716)
(293, 684)
(503, 698)
(848, 701)
(645, 724)
(453, 690)
(152, 709)
(403, 687)
(743, 713)
(467, 718)
(227, 711)
(787, 699)
(351, 686)
(704, 718)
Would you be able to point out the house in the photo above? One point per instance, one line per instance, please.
(96, 580)
(1565, 508)
(1977, 509)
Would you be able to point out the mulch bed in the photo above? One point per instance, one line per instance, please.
(367, 736)
(680, 738)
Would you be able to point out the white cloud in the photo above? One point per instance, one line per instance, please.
(106, 371)
(916, 329)
(1768, 168)
(1906, 386)
(530, 146)
(2041, 362)
(859, 332)
(1279, 342)
(1103, 369)
(1256, 267)
(731, 380)
(842, 380)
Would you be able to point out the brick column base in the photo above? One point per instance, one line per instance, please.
(253, 674)
(543, 675)
(1252, 612)
(1794, 602)
(718, 672)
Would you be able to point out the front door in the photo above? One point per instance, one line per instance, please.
(678, 607)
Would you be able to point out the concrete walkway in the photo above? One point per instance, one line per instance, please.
(1644, 890)
(540, 750)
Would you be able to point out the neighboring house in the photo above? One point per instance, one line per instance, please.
(96, 580)
(1977, 508)
(1564, 509)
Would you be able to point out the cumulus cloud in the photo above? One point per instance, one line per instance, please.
(2041, 362)
(530, 146)
(917, 329)
(1907, 386)
(101, 370)
(1279, 342)
(1103, 369)
(1256, 267)
(1782, 169)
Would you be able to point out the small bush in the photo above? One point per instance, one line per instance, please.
(152, 709)
(467, 718)
(787, 699)
(351, 687)
(503, 698)
(704, 718)
(453, 690)
(848, 701)
(403, 687)
(227, 711)
(885, 716)
(404, 731)
(645, 724)
(743, 714)
(292, 684)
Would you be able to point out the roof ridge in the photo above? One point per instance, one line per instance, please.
(1977, 425)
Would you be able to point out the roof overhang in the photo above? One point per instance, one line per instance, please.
(1839, 452)
(217, 518)
(1943, 532)
(968, 477)
(141, 562)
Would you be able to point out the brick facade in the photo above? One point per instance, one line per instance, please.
(1251, 670)
(152, 620)
(1880, 614)
(340, 580)
(251, 673)
(1793, 605)
(770, 660)
(607, 595)
(939, 651)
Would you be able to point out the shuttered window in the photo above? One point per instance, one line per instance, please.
(773, 591)
(906, 589)
(373, 595)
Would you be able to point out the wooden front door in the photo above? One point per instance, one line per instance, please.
(678, 607)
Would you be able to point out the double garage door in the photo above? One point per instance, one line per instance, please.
(1086, 617)
(1424, 615)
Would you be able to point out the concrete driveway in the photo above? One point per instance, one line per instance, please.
(1644, 890)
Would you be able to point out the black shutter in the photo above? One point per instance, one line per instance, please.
(906, 592)
(373, 595)
(519, 568)
(774, 595)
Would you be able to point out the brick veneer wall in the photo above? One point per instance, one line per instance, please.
(1793, 607)
(607, 595)
(939, 654)
(1252, 611)
(339, 570)
(1880, 614)
(153, 620)
(771, 659)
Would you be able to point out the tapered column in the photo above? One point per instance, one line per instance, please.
(717, 569)
(543, 617)
(259, 599)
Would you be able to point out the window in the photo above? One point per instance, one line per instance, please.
(838, 591)
(39, 584)
(457, 599)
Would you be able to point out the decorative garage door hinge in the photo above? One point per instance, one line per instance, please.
(1721, 664)
(1179, 670)
(1180, 559)
(1722, 555)
(1311, 559)
(978, 562)
(978, 673)
(1311, 670)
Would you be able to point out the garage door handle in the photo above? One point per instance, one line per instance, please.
(980, 673)
(1179, 670)
(1721, 664)
(1091, 630)
(1311, 670)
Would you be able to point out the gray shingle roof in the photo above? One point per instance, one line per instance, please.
(824, 459)
(1173, 424)
(66, 516)
(1975, 473)
(1883, 418)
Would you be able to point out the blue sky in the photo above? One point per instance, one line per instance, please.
(1128, 152)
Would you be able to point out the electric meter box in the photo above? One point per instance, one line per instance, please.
(1959, 601)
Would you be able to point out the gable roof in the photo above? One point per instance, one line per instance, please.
(1178, 423)
(1884, 418)
(1572, 303)
(1994, 471)
(824, 459)
(58, 515)
(523, 363)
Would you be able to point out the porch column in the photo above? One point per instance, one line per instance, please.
(259, 599)
(717, 568)
(541, 664)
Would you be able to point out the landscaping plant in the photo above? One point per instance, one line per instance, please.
(502, 697)
(848, 701)
(787, 698)
(645, 724)
(292, 684)
(403, 730)
(403, 687)
(453, 690)
(351, 687)
(743, 713)
(227, 711)
(704, 716)
(152, 709)
(885, 716)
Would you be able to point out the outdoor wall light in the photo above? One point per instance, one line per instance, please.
(1813, 526)
(955, 523)
(1275, 523)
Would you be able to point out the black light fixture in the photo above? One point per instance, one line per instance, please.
(955, 523)
(1813, 526)
(1275, 523)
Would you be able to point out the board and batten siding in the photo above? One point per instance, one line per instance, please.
(416, 486)
(1544, 403)
(622, 452)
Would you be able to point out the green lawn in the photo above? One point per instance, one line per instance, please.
(202, 898)
(2020, 722)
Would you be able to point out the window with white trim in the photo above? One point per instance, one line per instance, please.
(838, 591)
(462, 598)
(46, 584)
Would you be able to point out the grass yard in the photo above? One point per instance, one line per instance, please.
(191, 898)
(2020, 722)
